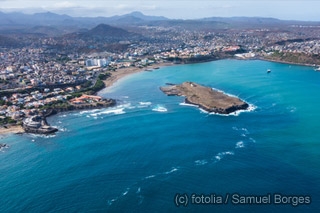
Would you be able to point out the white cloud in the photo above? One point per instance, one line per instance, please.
(64, 4)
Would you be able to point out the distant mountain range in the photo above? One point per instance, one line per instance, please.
(53, 24)
(52, 19)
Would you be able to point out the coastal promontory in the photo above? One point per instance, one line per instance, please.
(206, 98)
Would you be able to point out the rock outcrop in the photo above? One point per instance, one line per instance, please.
(38, 125)
(3, 146)
(206, 98)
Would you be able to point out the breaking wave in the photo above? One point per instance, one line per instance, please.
(159, 108)
(145, 103)
(251, 108)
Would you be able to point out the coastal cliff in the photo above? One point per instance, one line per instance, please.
(206, 98)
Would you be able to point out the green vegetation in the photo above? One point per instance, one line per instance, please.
(87, 84)
(2, 102)
(97, 87)
(56, 105)
(7, 120)
(103, 76)
(63, 59)
(298, 58)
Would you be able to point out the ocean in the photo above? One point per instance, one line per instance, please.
(137, 156)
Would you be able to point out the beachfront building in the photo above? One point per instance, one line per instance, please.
(86, 99)
(97, 62)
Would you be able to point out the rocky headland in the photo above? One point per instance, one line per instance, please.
(206, 98)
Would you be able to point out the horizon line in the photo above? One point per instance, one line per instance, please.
(185, 19)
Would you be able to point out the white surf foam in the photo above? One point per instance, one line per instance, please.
(61, 129)
(2, 149)
(292, 109)
(145, 103)
(252, 140)
(239, 145)
(110, 202)
(245, 130)
(171, 171)
(138, 190)
(220, 155)
(109, 111)
(126, 192)
(160, 109)
(200, 162)
(251, 108)
(89, 111)
(42, 136)
(150, 176)
(185, 104)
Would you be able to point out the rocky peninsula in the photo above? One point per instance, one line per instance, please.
(206, 98)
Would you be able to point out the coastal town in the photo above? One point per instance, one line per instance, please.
(66, 72)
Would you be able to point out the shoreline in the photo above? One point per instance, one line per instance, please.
(289, 63)
(13, 129)
(122, 72)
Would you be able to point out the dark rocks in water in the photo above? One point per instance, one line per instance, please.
(170, 84)
(3, 145)
(206, 98)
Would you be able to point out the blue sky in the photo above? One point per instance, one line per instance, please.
(283, 9)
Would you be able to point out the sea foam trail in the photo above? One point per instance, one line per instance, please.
(200, 162)
(111, 201)
(221, 155)
(174, 169)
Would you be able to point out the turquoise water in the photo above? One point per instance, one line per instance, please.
(137, 156)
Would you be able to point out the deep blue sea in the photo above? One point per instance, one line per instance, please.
(135, 157)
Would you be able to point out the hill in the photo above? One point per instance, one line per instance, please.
(108, 33)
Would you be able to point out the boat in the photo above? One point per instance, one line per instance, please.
(269, 71)
(317, 69)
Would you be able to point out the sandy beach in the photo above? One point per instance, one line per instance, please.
(11, 129)
(122, 72)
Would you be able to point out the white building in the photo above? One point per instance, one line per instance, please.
(97, 62)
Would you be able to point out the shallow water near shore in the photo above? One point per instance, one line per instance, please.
(138, 155)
